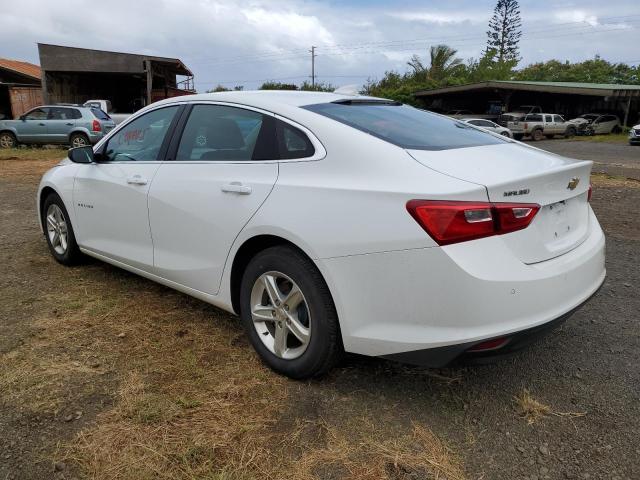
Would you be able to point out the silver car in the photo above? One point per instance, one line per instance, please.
(489, 125)
(56, 124)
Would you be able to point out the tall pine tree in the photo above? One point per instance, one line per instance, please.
(505, 31)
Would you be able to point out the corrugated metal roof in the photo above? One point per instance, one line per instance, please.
(576, 88)
(604, 86)
(23, 68)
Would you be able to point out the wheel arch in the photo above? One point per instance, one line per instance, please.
(78, 131)
(249, 249)
(44, 193)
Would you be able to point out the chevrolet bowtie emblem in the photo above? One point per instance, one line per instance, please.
(573, 183)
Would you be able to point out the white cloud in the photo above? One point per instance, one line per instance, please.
(236, 40)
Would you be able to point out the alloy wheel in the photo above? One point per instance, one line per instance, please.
(280, 315)
(6, 141)
(78, 141)
(57, 229)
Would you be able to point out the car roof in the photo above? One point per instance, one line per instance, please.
(268, 99)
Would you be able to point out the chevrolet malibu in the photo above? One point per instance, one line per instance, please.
(333, 223)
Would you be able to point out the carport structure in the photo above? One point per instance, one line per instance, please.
(130, 81)
(566, 98)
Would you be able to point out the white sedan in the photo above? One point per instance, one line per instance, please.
(489, 126)
(334, 223)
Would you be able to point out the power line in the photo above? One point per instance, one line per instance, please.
(297, 53)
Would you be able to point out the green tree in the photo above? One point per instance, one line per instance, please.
(505, 30)
(443, 63)
(270, 85)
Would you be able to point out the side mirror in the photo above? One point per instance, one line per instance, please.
(81, 154)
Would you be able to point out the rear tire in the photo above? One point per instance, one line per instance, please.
(270, 314)
(505, 134)
(78, 140)
(59, 231)
(537, 135)
(8, 140)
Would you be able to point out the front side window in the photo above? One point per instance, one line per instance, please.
(141, 140)
(558, 119)
(37, 114)
(405, 126)
(218, 132)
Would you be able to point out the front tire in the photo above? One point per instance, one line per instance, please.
(59, 231)
(288, 313)
(570, 133)
(8, 140)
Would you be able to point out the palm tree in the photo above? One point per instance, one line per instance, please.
(443, 61)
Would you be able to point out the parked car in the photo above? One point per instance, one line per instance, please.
(458, 113)
(489, 125)
(517, 114)
(540, 125)
(105, 106)
(56, 124)
(596, 124)
(634, 135)
(335, 222)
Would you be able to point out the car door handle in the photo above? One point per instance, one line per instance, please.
(69, 123)
(236, 187)
(42, 124)
(136, 180)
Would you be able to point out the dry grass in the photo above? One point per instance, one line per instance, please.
(610, 138)
(533, 410)
(529, 408)
(364, 450)
(604, 180)
(192, 401)
(25, 164)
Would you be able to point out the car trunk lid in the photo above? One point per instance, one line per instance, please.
(518, 174)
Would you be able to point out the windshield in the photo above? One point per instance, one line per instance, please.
(405, 126)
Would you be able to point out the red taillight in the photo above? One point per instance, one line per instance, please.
(96, 126)
(452, 222)
(589, 193)
(526, 125)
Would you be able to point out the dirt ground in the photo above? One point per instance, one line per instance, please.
(106, 375)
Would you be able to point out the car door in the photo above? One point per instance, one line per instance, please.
(224, 167)
(32, 127)
(559, 125)
(60, 122)
(110, 196)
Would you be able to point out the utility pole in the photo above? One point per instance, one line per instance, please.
(313, 66)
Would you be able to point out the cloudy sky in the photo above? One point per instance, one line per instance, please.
(233, 42)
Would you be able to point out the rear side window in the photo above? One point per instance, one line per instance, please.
(99, 114)
(292, 142)
(218, 132)
(405, 126)
(533, 118)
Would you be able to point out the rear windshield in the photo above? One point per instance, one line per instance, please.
(99, 114)
(405, 126)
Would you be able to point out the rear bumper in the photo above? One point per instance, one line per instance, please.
(443, 356)
(392, 304)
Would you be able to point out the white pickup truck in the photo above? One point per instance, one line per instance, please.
(540, 125)
(105, 106)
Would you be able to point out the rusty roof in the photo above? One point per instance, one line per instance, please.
(23, 68)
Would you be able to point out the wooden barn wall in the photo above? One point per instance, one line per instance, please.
(23, 99)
